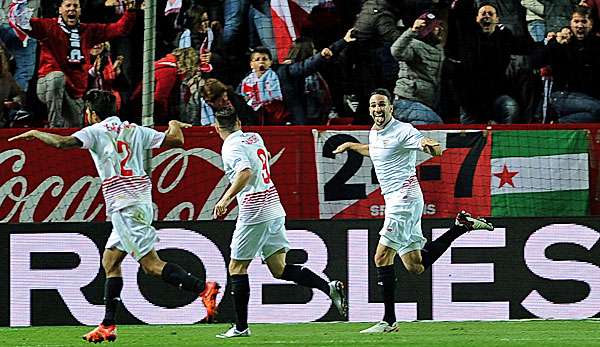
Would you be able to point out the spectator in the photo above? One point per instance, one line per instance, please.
(10, 93)
(481, 53)
(218, 98)
(535, 19)
(106, 74)
(312, 99)
(129, 46)
(420, 55)
(274, 92)
(65, 43)
(22, 49)
(377, 21)
(575, 62)
(594, 5)
(207, 42)
(176, 70)
(557, 13)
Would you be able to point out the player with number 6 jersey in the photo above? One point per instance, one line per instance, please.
(118, 149)
(260, 228)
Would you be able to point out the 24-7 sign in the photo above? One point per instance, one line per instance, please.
(459, 179)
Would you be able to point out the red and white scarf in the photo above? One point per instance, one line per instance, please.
(19, 16)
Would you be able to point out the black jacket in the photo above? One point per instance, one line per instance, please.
(576, 65)
(479, 59)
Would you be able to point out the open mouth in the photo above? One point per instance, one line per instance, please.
(379, 116)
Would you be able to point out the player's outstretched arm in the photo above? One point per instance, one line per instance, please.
(431, 147)
(53, 140)
(360, 148)
(239, 182)
(174, 135)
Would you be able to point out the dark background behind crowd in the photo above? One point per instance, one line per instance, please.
(461, 61)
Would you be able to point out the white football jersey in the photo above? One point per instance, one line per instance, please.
(393, 151)
(259, 201)
(118, 150)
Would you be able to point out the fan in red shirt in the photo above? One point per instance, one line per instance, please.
(65, 44)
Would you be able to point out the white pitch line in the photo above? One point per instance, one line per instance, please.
(549, 338)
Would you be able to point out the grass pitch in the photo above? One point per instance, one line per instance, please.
(514, 333)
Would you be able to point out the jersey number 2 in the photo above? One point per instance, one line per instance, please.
(123, 146)
(264, 159)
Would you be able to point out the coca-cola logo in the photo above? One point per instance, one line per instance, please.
(79, 202)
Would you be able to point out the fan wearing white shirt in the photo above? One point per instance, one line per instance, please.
(393, 147)
(118, 150)
(260, 228)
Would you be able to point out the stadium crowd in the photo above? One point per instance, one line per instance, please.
(312, 62)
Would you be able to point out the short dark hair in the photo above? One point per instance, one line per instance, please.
(194, 15)
(382, 91)
(103, 102)
(213, 89)
(261, 50)
(488, 3)
(582, 11)
(226, 119)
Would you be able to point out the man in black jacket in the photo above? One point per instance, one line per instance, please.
(481, 51)
(575, 64)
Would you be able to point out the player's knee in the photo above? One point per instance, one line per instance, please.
(277, 273)
(416, 269)
(111, 267)
(381, 259)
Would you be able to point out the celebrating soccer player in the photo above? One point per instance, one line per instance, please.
(118, 150)
(393, 147)
(260, 229)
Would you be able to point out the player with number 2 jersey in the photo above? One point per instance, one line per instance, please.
(118, 149)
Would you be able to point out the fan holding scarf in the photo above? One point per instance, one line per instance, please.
(65, 44)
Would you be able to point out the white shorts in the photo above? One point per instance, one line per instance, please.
(402, 226)
(133, 231)
(264, 239)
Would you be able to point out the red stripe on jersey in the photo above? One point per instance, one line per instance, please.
(126, 185)
(255, 207)
(120, 188)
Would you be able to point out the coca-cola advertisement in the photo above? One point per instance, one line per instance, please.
(44, 184)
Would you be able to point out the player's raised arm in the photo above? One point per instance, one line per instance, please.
(54, 140)
(360, 148)
(174, 135)
(431, 147)
(239, 182)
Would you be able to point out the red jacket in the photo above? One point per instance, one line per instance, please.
(167, 77)
(54, 44)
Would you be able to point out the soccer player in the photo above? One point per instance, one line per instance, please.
(260, 228)
(393, 147)
(118, 150)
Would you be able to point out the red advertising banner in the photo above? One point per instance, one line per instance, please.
(39, 183)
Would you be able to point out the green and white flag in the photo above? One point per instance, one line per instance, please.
(539, 173)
